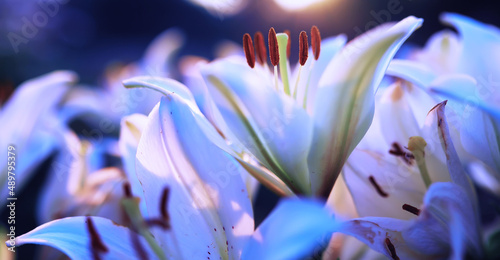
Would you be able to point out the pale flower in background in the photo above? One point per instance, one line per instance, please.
(463, 68)
(31, 124)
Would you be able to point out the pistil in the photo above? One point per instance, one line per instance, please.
(417, 145)
(283, 61)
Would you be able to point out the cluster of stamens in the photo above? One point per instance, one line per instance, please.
(279, 54)
(274, 55)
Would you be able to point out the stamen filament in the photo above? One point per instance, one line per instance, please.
(276, 85)
(303, 54)
(283, 61)
(304, 103)
(297, 83)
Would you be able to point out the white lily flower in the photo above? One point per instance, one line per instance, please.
(30, 125)
(400, 191)
(197, 204)
(326, 104)
(392, 172)
(462, 68)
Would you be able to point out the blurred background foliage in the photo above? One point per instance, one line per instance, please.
(87, 36)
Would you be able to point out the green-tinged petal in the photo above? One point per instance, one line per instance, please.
(313, 69)
(196, 84)
(208, 203)
(344, 101)
(270, 124)
(72, 237)
(296, 229)
(29, 123)
(130, 134)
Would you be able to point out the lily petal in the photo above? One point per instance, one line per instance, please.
(30, 124)
(411, 71)
(481, 38)
(294, 230)
(344, 101)
(311, 74)
(130, 134)
(71, 236)
(380, 184)
(207, 194)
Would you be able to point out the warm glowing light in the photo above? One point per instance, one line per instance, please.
(221, 7)
(295, 5)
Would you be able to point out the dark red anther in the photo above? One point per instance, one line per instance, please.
(288, 44)
(392, 249)
(397, 150)
(379, 189)
(411, 209)
(303, 48)
(164, 204)
(157, 222)
(315, 41)
(273, 47)
(127, 190)
(249, 50)
(260, 47)
(96, 245)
